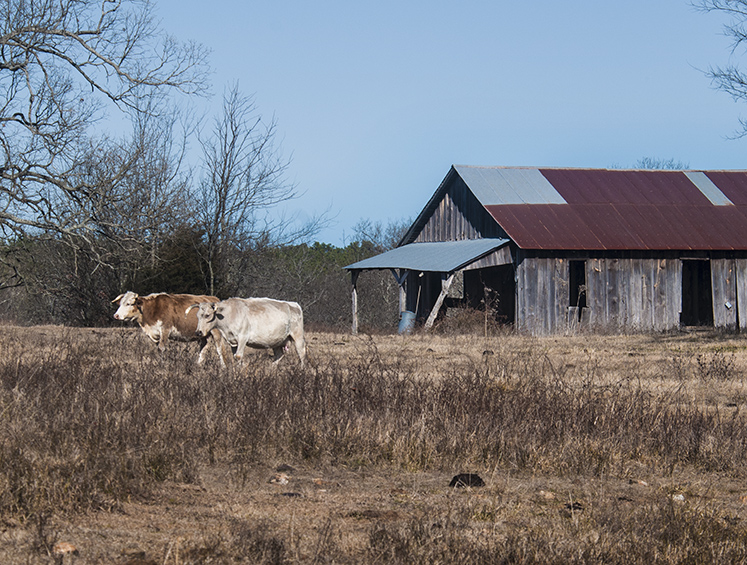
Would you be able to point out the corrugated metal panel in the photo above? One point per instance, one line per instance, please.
(439, 257)
(710, 190)
(653, 225)
(491, 188)
(602, 186)
(495, 185)
(732, 183)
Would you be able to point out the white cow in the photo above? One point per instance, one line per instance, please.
(262, 323)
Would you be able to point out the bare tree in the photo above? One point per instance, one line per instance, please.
(142, 224)
(383, 237)
(654, 163)
(63, 65)
(137, 210)
(730, 78)
(244, 181)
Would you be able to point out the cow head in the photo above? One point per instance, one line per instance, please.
(129, 306)
(208, 314)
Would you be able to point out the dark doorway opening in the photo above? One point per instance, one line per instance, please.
(577, 286)
(697, 294)
(494, 288)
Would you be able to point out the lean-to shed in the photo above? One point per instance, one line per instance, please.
(555, 249)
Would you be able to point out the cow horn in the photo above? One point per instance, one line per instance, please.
(118, 298)
(188, 310)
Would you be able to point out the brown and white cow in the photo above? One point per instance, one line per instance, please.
(162, 316)
(261, 323)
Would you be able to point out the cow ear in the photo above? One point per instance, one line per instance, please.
(218, 312)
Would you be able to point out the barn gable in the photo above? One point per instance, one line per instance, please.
(453, 213)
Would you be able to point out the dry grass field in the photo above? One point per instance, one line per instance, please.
(614, 449)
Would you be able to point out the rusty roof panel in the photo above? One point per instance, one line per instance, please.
(559, 223)
(639, 190)
(604, 221)
(602, 186)
(523, 234)
(684, 233)
(617, 209)
(565, 220)
(574, 188)
(648, 224)
(732, 183)
(731, 223)
(626, 226)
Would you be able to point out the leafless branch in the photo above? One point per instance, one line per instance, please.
(63, 64)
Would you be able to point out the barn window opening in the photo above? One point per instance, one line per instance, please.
(577, 287)
(697, 294)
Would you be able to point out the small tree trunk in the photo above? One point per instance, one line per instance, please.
(211, 273)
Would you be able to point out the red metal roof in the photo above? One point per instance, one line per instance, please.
(629, 210)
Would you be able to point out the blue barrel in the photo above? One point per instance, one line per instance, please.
(406, 322)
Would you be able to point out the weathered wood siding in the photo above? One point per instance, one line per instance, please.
(724, 287)
(542, 295)
(741, 266)
(502, 256)
(635, 294)
(621, 293)
(459, 215)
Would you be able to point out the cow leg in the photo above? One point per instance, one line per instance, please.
(239, 353)
(218, 341)
(219, 346)
(300, 343)
(203, 342)
(278, 352)
(300, 349)
(161, 340)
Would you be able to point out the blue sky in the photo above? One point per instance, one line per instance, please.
(374, 101)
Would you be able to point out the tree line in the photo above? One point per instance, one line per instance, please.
(63, 286)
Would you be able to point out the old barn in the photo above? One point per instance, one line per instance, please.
(552, 250)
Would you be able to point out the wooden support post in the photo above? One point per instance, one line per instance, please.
(445, 284)
(354, 280)
(401, 277)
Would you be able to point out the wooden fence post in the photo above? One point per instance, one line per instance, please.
(354, 280)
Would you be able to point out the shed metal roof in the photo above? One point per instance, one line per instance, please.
(440, 256)
(596, 209)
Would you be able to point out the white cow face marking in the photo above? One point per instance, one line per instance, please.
(128, 307)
